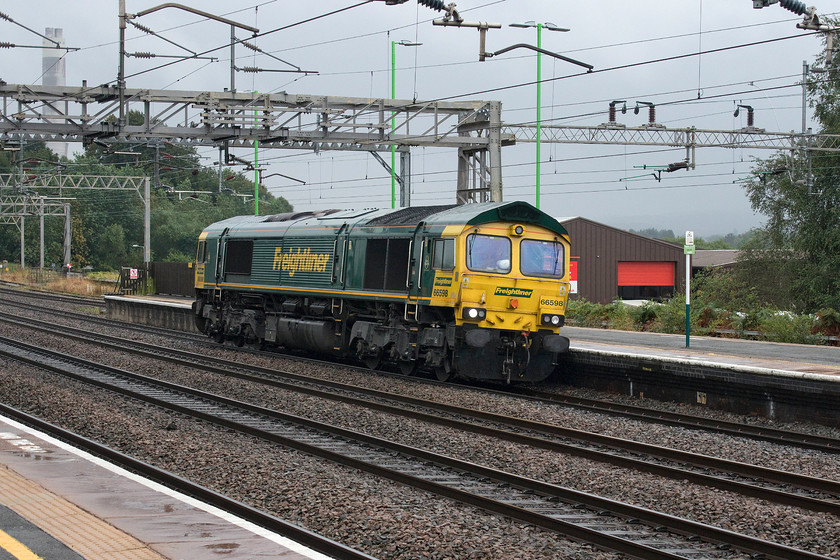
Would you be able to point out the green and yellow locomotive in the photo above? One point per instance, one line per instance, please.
(475, 291)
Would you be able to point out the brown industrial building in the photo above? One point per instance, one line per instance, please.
(612, 263)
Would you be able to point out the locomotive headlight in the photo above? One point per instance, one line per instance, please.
(553, 320)
(474, 313)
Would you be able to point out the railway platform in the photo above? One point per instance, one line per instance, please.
(778, 381)
(60, 503)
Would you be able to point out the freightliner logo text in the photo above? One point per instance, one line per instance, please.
(299, 260)
(513, 292)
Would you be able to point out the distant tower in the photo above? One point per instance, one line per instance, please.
(52, 68)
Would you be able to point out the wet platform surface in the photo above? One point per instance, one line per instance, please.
(774, 358)
(59, 503)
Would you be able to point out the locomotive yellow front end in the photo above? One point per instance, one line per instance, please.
(509, 289)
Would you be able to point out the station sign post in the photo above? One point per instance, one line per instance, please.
(688, 249)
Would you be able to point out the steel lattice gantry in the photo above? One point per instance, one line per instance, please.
(17, 201)
(15, 208)
(689, 138)
(277, 120)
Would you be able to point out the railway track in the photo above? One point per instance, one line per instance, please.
(773, 485)
(23, 291)
(687, 421)
(111, 323)
(607, 524)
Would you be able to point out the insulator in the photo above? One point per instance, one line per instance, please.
(749, 118)
(251, 46)
(652, 114)
(612, 113)
(794, 6)
(4, 16)
(433, 4)
(5, 45)
(142, 55)
(143, 28)
(251, 69)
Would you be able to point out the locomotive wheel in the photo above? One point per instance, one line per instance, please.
(219, 336)
(373, 361)
(407, 368)
(443, 372)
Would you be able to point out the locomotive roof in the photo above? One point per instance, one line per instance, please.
(466, 214)
(485, 212)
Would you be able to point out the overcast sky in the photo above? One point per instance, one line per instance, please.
(351, 53)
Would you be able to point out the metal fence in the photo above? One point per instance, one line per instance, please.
(173, 278)
(176, 279)
(134, 281)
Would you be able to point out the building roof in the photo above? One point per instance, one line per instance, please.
(710, 258)
(668, 244)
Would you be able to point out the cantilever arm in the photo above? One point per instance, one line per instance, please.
(543, 51)
(196, 12)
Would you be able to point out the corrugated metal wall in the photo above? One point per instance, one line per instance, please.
(173, 278)
(602, 247)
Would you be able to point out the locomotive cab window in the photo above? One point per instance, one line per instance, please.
(488, 253)
(444, 254)
(541, 258)
(201, 254)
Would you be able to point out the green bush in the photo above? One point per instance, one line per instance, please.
(787, 327)
(619, 316)
(708, 315)
(671, 316)
(721, 289)
(584, 313)
(827, 322)
(645, 314)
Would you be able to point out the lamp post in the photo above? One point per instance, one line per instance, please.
(540, 27)
(394, 44)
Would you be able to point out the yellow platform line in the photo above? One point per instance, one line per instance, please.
(16, 548)
(91, 537)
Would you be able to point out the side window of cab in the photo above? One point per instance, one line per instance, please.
(443, 254)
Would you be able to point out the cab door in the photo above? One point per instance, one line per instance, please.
(221, 246)
(440, 274)
(340, 250)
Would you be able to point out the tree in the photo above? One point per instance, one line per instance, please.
(110, 251)
(794, 258)
(106, 223)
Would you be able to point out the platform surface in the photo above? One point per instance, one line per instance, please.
(60, 503)
(772, 357)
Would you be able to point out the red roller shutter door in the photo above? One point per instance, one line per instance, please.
(646, 273)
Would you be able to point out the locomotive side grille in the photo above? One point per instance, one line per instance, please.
(407, 216)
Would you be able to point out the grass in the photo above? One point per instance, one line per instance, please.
(94, 285)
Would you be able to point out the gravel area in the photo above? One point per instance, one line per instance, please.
(385, 519)
(379, 517)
